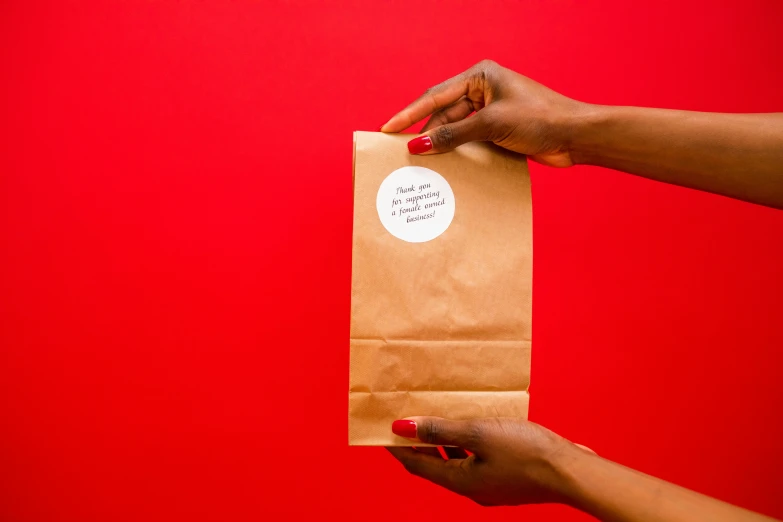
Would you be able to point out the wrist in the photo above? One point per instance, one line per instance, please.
(588, 125)
(565, 464)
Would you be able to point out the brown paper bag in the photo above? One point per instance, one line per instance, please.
(441, 285)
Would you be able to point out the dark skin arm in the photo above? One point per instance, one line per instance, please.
(519, 462)
(736, 155)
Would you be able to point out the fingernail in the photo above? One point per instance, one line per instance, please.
(404, 428)
(419, 145)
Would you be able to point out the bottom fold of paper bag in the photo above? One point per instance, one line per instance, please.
(371, 413)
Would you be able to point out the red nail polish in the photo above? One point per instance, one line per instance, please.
(419, 145)
(404, 428)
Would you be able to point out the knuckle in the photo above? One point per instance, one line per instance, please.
(444, 136)
(439, 118)
(485, 67)
(467, 473)
(410, 466)
(431, 431)
(462, 480)
(431, 92)
(428, 94)
(487, 71)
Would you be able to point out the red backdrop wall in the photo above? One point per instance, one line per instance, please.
(175, 235)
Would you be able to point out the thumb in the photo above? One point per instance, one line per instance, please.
(441, 432)
(449, 136)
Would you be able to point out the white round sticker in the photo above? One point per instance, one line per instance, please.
(415, 204)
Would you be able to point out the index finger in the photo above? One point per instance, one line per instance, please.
(433, 99)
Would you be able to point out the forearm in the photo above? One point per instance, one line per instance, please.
(736, 155)
(612, 492)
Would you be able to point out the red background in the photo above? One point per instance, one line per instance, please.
(175, 234)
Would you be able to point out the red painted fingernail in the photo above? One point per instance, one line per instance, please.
(404, 428)
(419, 145)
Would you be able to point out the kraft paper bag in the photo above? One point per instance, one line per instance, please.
(441, 285)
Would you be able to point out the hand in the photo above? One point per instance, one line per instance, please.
(513, 461)
(510, 110)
